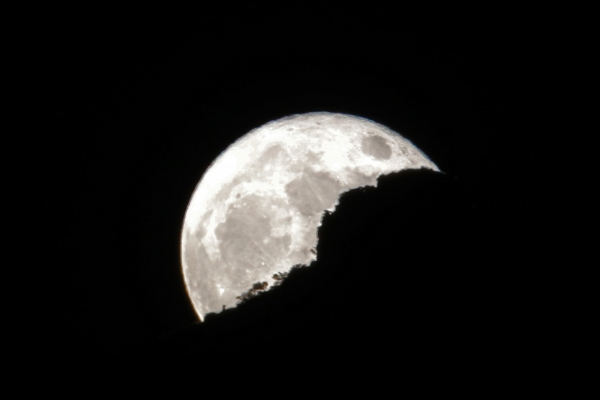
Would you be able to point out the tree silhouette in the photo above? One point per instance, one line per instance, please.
(254, 291)
(261, 287)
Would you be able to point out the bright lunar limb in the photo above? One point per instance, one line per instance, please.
(258, 207)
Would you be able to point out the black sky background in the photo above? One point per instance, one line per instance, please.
(128, 107)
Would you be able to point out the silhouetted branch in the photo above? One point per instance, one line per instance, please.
(261, 287)
(256, 289)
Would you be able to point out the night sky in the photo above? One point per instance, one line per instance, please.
(128, 107)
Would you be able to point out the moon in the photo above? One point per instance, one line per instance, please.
(258, 207)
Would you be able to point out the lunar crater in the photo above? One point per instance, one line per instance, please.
(377, 147)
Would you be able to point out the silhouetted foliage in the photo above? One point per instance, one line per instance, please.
(405, 269)
(279, 277)
(254, 291)
(261, 287)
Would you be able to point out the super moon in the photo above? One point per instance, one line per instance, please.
(258, 207)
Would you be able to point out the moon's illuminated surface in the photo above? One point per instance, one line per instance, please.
(257, 209)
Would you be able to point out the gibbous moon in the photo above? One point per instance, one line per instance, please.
(257, 209)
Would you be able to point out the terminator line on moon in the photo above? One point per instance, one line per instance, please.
(258, 207)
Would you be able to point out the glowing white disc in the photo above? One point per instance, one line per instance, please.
(257, 209)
